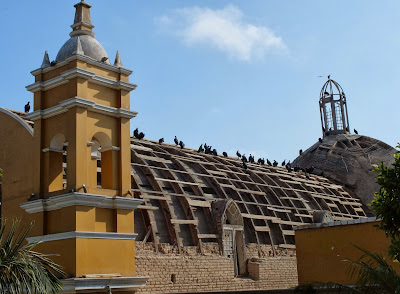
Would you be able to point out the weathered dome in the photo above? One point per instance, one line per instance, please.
(89, 45)
(82, 41)
(348, 160)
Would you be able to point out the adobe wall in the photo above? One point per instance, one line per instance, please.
(192, 272)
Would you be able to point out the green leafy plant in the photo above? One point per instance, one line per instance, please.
(387, 203)
(23, 270)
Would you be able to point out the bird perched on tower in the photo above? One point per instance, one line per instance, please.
(27, 107)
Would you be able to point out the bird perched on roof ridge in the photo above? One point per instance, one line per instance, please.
(244, 165)
(244, 158)
(201, 149)
(141, 136)
(215, 152)
(238, 154)
(300, 151)
(136, 133)
(181, 144)
(275, 164)
(251, 158)
(269, 162)
(320, 140)
(27, 107)
(160, 141)
(355, 132)
(176, 141)
(225, 154)
(283, 162)
(309, 169)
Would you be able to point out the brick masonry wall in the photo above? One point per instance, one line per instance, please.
(191, 272)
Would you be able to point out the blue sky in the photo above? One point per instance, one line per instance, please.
(239, 75)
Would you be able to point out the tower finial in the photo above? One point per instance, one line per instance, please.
(333, 109)
(118, 60)
(82, 22)
(46, 60)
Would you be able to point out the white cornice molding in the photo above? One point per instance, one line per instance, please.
(113, 148)
(65, 105)
(80, 199)
(86, 59)
(82, 235)
(48, 149)
(66, 76)
(103, 284)
(19, 119)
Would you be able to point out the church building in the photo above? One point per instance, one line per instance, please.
(127, 214)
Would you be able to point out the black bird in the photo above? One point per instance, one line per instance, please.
(84, 188)
(136, 133)
(289, 168)
(208, 150)
(259, 161)
(104, 59)
(27, 107)
(251, 158)
(269, 162)
(297, 168)
(244, 158)
(262, 161)
(205, 146)
(201, 149)
(161, 141)
(310, 169)
(355, 132)
(238, 154)
(141, 136)
(275, 164)
(283, 163)
(225, 154)
(181, 144)
(300, 151)
(176, 141)
(329, 77)
(320, 140)
(215, 152)
(244, 165)
(53, 63)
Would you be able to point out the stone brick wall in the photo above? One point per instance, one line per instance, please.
(191, 272)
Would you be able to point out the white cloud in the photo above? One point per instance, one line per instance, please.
(223, 29)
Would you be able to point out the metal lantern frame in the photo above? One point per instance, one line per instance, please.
(333, 109)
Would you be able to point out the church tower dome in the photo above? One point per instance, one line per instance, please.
(82, 39)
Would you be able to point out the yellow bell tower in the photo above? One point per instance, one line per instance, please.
(81, 200)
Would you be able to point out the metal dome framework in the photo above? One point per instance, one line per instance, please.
(333, 109)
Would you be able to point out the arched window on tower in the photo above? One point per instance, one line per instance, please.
(103, 161)
(56, 158)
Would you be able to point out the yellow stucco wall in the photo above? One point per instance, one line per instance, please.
(320, 252)
(15, 160)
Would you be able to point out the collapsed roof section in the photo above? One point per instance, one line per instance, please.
(183, 189)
